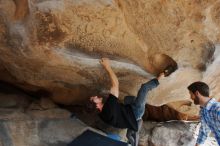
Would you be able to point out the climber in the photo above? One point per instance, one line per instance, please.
(209, 111)
(120, 115)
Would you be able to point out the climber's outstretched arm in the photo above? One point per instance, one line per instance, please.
(114, 80)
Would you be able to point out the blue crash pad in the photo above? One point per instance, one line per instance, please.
(90, 138)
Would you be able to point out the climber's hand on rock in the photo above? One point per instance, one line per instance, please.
(105, 62)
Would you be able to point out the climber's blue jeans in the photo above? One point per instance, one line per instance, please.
(138, 105)
(133, 136)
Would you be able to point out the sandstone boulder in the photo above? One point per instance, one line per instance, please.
(56, 46)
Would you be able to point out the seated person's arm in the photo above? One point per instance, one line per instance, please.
(203, 133)
(218, 114)
(114, 90)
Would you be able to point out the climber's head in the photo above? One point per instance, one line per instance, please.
(97, 101)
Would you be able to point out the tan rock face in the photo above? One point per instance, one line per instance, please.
(56, 46)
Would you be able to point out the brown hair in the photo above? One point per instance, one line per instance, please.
(91, 106)
(202, 87)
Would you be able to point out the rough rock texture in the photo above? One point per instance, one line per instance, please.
(40, 132)
(25, 125)
(55, 46)
(173, 133)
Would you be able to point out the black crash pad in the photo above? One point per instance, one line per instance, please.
(90, 138)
